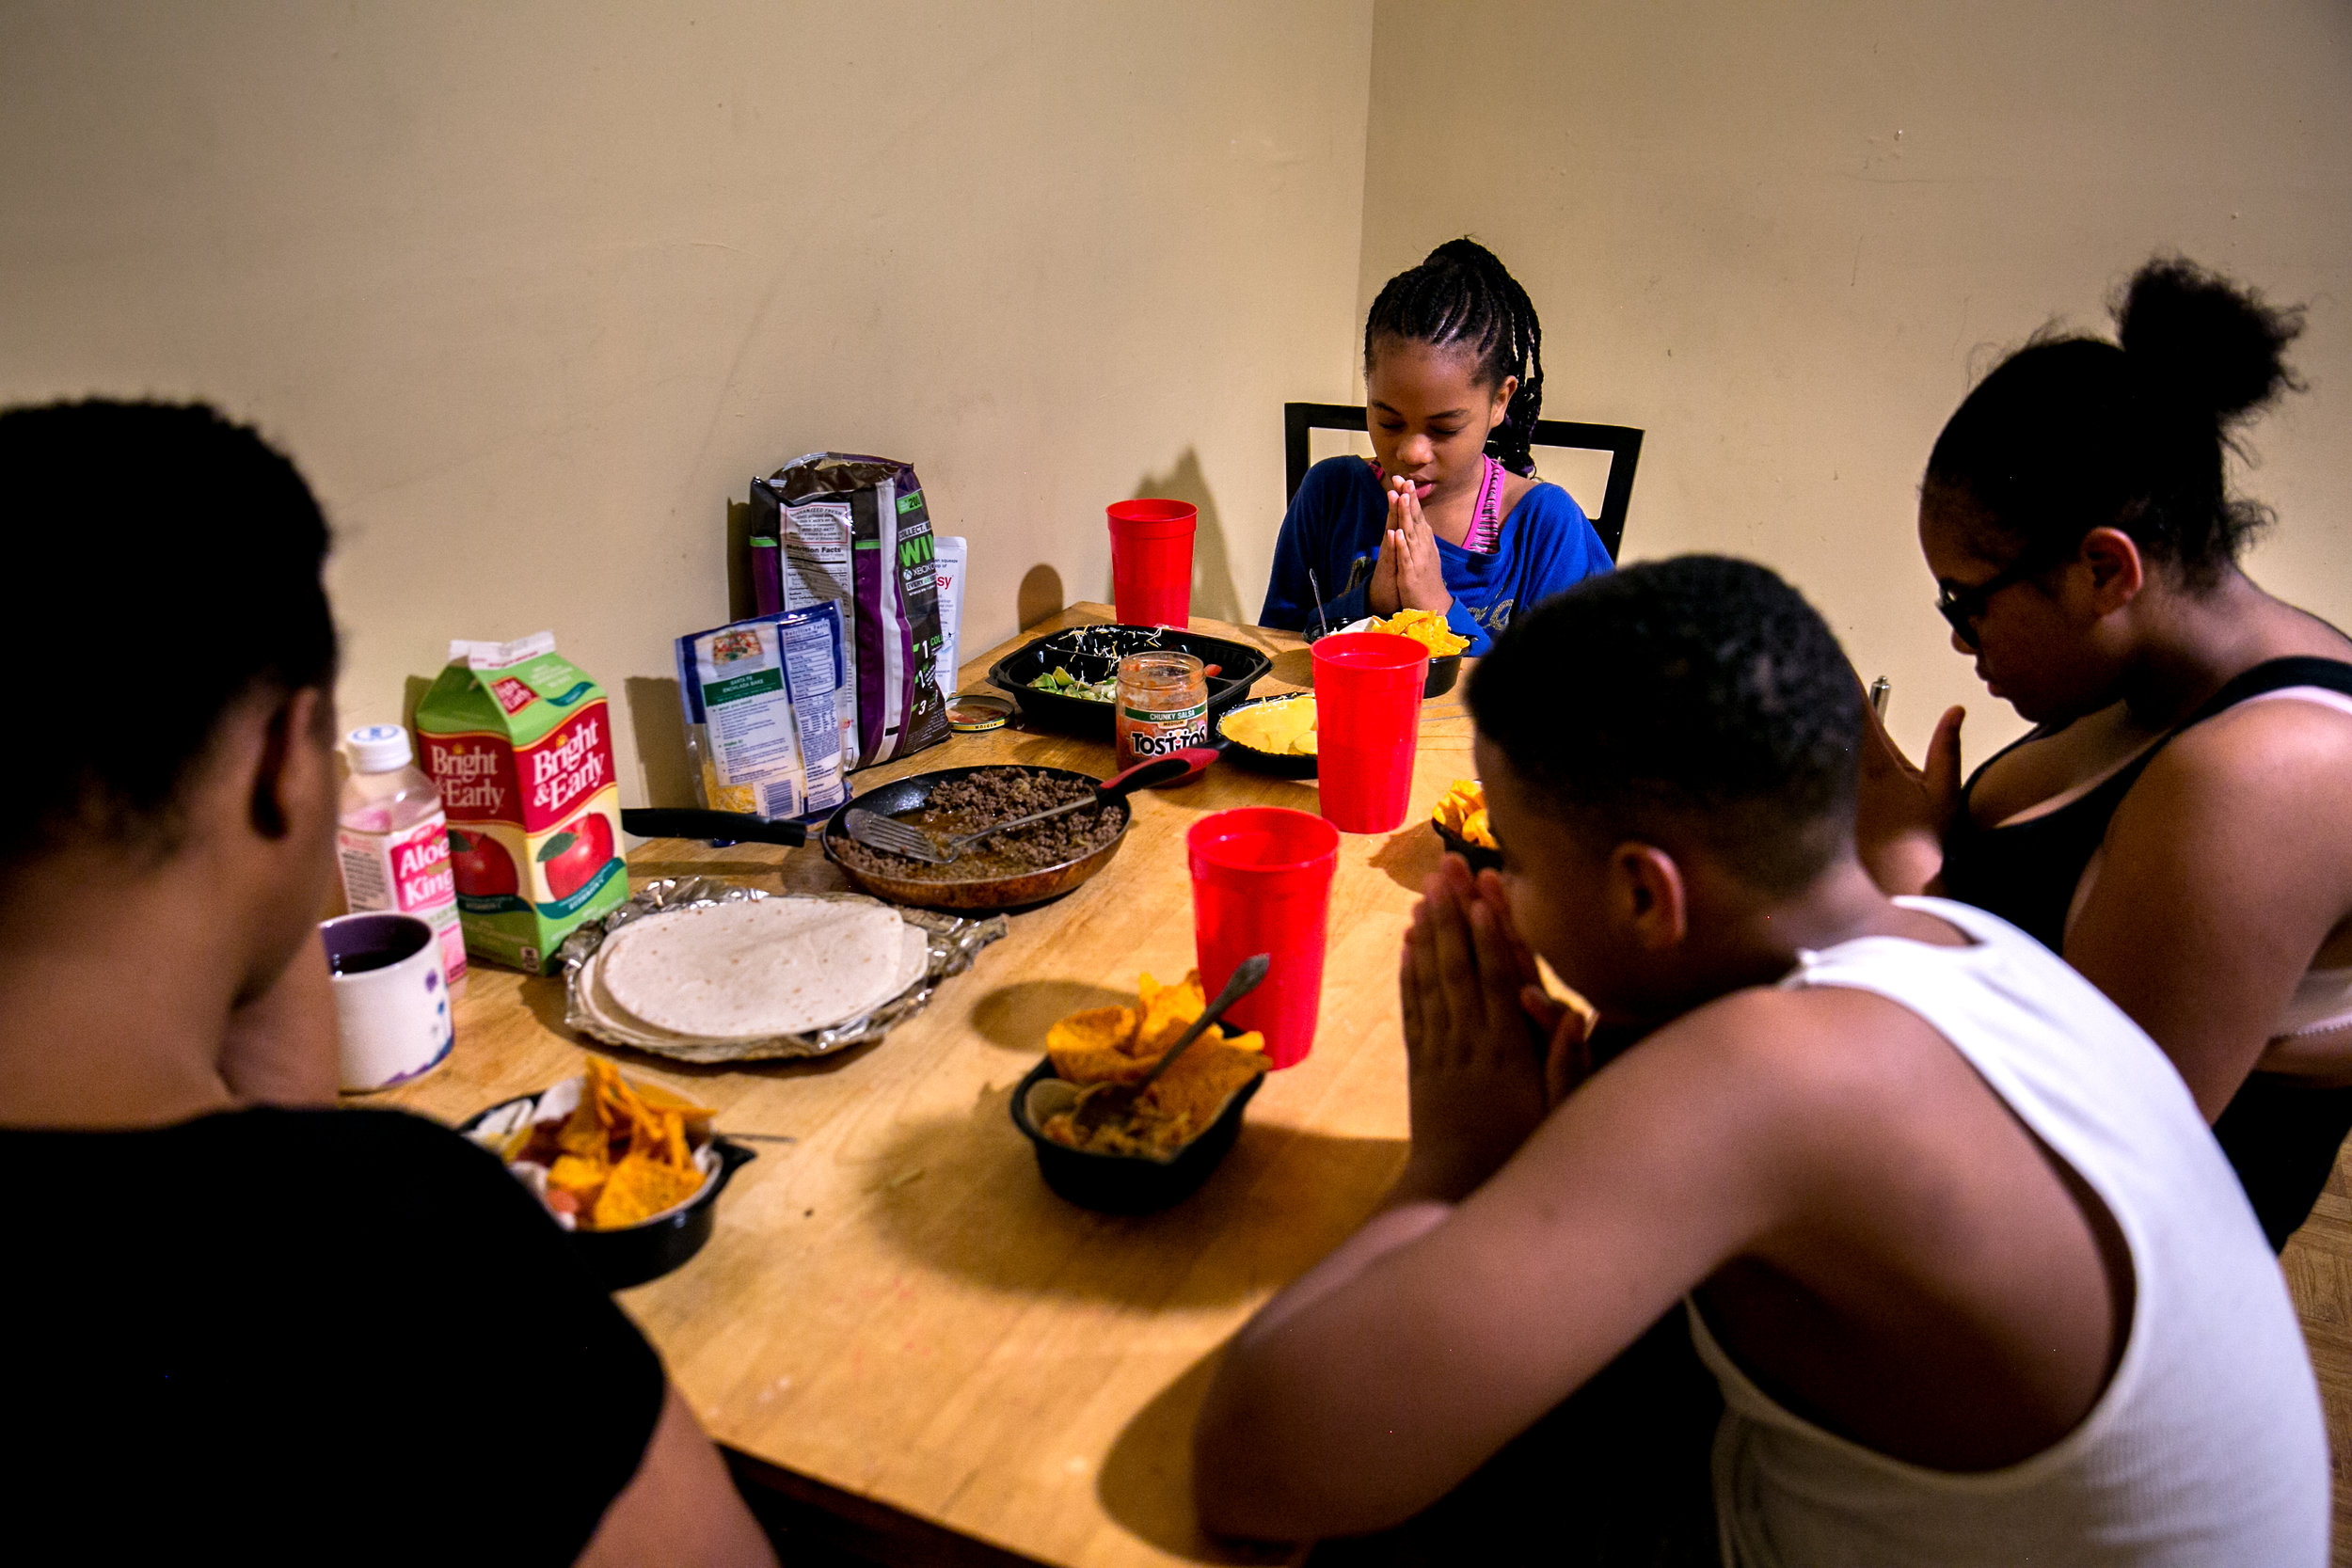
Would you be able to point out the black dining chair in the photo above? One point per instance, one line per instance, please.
(1622, 443)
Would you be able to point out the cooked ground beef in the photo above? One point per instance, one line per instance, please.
(995, 795)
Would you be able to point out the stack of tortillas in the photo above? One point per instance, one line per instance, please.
(750, 970)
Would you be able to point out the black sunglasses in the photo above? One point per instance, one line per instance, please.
(1963, 607)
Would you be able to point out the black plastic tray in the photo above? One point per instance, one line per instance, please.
(1240, 667)
(1129, 1183)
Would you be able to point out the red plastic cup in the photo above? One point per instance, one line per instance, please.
(1262, 884)
(1367, 688)
(1152, 562)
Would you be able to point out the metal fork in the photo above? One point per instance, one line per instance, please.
(877, 832)
(898, 838)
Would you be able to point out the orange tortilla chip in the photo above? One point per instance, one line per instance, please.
(640, 1188)
(1202, 1080)
(586, 1178)
(585, 1133)
(1178, 1109)
(1168, 1012)
(1118, 1045)
(1094, 1065)
(1095, 1029)
(657, 1099)
(647, 1137)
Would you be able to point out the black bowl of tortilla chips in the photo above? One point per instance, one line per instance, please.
(616, 1259)
(1129, 1183)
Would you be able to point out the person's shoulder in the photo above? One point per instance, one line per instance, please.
(358, 1137)
(1335, 477)
(1552, 521)
(1791, 1053)
(2261, 733)
(409, 1175)
(1748, 1106)
(2259, 758)
(322, 1138)
(1347, 468)
(1546, 499)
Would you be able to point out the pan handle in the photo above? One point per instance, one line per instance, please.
(1176, 768)
(668, 822)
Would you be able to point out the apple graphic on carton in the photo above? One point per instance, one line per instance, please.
(575, 853)
(482, 867)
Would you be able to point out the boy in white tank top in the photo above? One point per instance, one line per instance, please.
(1975, 1279)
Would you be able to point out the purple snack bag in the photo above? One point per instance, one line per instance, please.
(767, 577)
(853, 530)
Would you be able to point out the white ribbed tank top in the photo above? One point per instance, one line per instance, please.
(2207, 1448)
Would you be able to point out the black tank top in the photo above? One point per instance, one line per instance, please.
(2281, 1136)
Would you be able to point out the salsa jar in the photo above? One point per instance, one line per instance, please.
(1162, 706)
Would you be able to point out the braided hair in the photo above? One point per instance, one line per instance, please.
(1463, 296)
(2075, 433)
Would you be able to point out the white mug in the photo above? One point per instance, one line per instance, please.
(391, 999)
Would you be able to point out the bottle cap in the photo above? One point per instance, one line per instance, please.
(974, 715)
(379, 748)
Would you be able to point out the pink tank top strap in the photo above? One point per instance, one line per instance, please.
(1486, 520)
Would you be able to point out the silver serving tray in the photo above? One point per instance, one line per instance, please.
(953, 943)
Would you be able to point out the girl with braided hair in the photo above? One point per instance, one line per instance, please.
(1449, 516)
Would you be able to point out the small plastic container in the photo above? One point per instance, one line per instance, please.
(1129, 1183)
(392, 841)
(616, 1259)
(1161, 706)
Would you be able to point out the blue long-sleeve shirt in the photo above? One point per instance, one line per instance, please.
(1341, 514)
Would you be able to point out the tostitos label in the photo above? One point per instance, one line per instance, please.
(518, 742)
(1148, 733)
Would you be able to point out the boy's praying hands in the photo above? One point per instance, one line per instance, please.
(1489, 1050)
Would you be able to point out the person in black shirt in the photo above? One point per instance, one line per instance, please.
(2175, 826)
(239, 1318)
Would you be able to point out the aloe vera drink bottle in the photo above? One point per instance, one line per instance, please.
(392, 841)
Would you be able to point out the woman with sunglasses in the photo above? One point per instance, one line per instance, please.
(2178, 824)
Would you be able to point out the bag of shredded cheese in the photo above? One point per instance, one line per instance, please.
(762, 701)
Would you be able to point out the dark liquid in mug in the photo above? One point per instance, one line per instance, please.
(359, 963)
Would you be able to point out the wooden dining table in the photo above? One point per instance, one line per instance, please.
(899, 1335)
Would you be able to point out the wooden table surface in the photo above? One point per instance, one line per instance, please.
(893, 1311)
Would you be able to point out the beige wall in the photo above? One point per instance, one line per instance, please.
(1780, 238)
(531, 291)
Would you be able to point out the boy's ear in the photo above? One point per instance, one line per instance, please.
(296, 747)
(1646, 892)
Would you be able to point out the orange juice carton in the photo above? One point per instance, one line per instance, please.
(518, 741)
